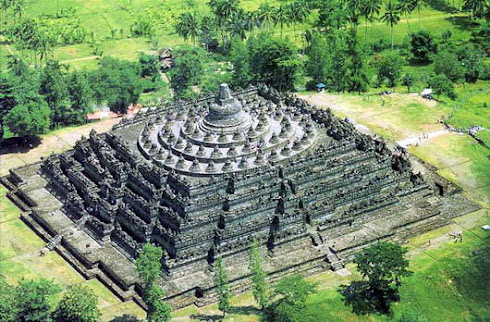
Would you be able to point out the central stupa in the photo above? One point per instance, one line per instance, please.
(232, 135)
(226, 115)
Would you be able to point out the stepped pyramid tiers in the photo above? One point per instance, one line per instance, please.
(203, 178)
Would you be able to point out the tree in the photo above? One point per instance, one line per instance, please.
(158, 309)
(448, 64)
(422, 46)
(291, 293)
(223, 10)
(45, 47)
(241, 66)
(282, 17)
(389, 68)
(339, 63)
(260, 290)
(472, 62)
(332, 16)
(148, 265)
(150, 65)
(405, 7)
(478, 8)
(53, 84)
(353, 12)
(79, 304)
(298, 12)
(223, 288)
(33, 299)
(383, 263)
(188, 70)
(17, 66)
(391, 17)
(369, 10)
(208, 33)
(80, 94)
(319, 59)
(265, 15)
(8, 309)
(356, 72)
(440, 85)
(7, 97)
(238, 25)
(117, 82)
(407, 81)
(273, 61)
(29, 119)
(188, 26)
(417, 4)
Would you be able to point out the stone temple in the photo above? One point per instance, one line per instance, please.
(203, 178)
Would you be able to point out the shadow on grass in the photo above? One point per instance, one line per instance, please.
(365, 299)
(462, 22)
(245, 310)
(470, 275)
(125, 318)
(19, 145)
(442, 5)
(204, 317)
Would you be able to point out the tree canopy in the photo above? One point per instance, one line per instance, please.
(79, 304)
(29, 119)
(118, 83)
(273, 61)
(33, 300)
(383, 262)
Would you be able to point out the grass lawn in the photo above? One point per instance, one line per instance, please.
(395, 116)
(471, 108)
(463, 161)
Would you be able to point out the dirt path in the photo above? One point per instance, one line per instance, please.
(418, 139)
(9, 49)
(79, 59)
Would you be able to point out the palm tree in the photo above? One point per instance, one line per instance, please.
(16, 66)
(19, 7)
(238, 24)
(223, 9)
(265, 15)
(45, 48)
(369, 9)
(476, 7)
(281, 17)
(298, 12)
(405, 8)
(391, 17)
(188, 26)
(416, 4)
(353, 8)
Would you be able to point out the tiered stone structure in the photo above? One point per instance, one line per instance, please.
(202, 179)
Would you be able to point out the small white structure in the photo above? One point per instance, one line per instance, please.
(426, 93)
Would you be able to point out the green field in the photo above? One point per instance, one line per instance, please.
(100, 17)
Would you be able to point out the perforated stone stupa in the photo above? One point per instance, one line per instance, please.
(235, 135)
(203, 178)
